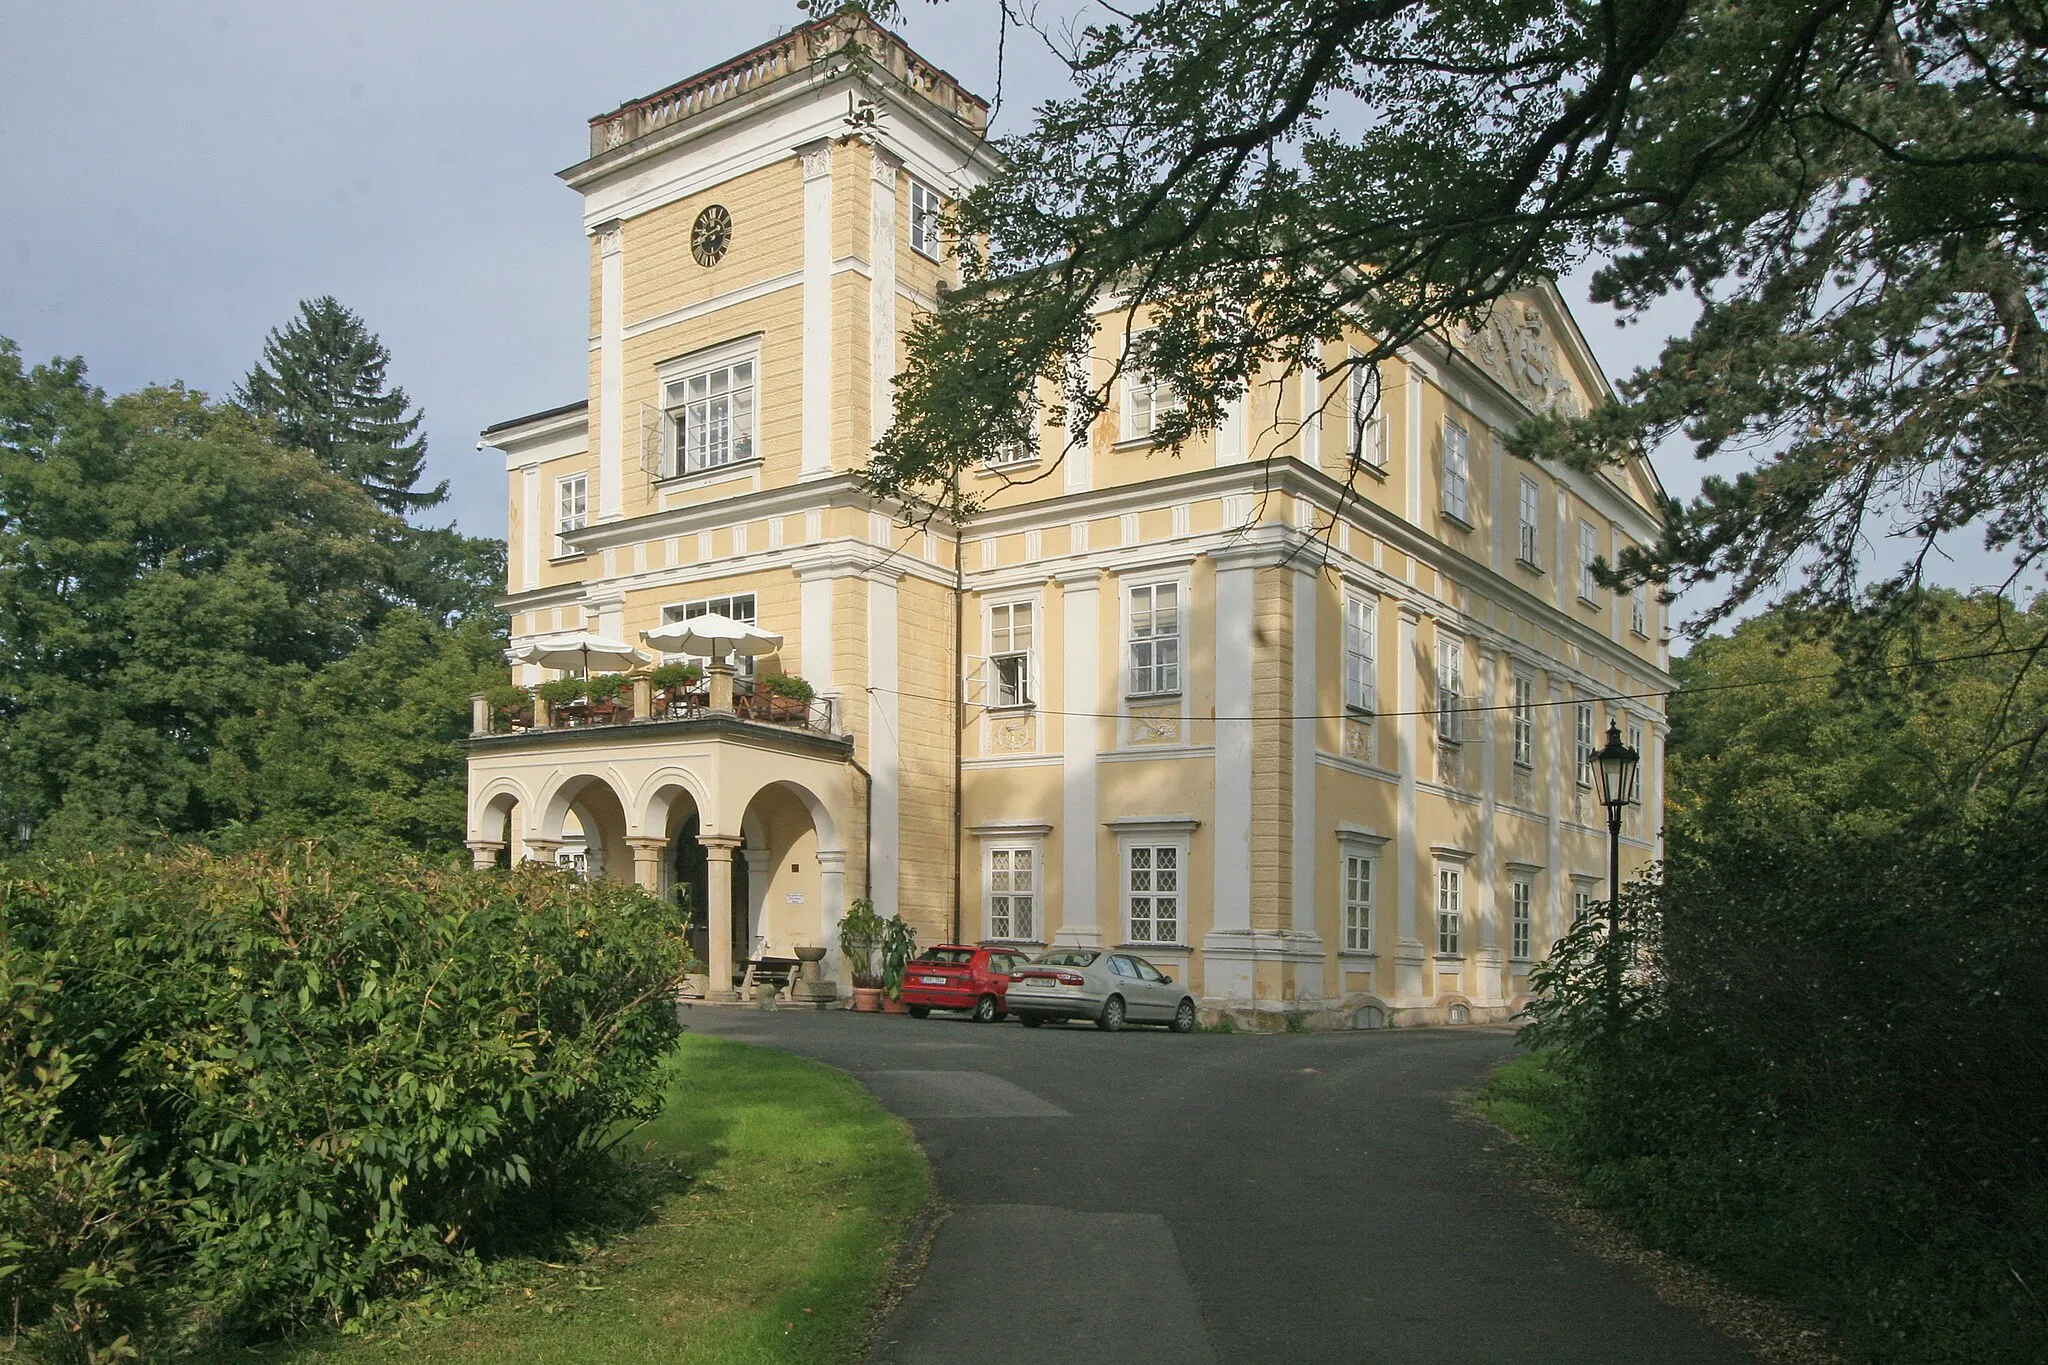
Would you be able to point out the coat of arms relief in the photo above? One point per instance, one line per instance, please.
(1513, 347)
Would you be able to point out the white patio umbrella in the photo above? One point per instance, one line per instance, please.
(580, 649)
(712, 636)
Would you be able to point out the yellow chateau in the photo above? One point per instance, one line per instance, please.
(1335, 769)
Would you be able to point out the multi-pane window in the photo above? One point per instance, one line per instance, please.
(1457, 473)
(1012, 893)
(572, 510)
(1520, 919)
(1639, 609)
(1523, 713)
(1368, 428)
(1360, 653)
(1147, 398)
(736, 607)
(1585, 743)
(1450, 688)
(1449, 892)
(1589, 551)
(1582, 903)
(1155, 640)
(713, 416)
(1526, 523)
(1358, 870)
(1635, 741)
(1153, 892)
(925, 209)
(1009, 653)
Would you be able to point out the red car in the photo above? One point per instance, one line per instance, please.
(953, 976)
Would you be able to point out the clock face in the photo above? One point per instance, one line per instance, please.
(711, 236)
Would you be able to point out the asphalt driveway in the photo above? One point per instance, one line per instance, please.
(1143, 1196)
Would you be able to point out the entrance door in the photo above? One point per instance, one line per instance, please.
(689, 867)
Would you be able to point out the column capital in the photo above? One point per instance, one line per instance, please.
(831, 859)
(646, 842)
(719, 843)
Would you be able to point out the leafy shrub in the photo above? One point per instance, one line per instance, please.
(508, 699)
(607, 686)
(560, 691)
(860, 937)
(1826, 1075)
(291, 1085)
(677, 675)
(787, 685)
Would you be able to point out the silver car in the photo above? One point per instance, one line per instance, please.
(1113, 989)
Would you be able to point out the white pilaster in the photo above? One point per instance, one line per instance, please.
(611, 371)
(884, 743)
(1081, 699)
(1409, 956)
(1230, 440)
(817, 294)
(1492, 984)
(530, 527)
(1311, 410)
(814, 626)
(1555, 826)
(882, 296)
(1233, 829)
(1412, 466)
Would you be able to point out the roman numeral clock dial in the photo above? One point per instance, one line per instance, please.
(711, 235)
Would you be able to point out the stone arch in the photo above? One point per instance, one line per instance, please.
(800, 896)
(491, 804)
(600, 810)
(820, 813)
(657, 803)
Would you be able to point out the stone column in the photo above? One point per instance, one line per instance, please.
(643, 697)
(479, 714)
(543, 851)
(647, 863)
(831, 906)
(721, 686)
(484, 852)
(541, 717)
(718, 850)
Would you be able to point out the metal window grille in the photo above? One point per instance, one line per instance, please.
(1152, 876)
(1358, 903)
(1012, 893)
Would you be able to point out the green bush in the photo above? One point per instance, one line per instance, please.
(560, 691)
(861, 932)
(248, 1093)
(607, 686)
(787, 685)
(1826, 1077)
(677, 675)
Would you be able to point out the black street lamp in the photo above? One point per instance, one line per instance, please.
(1617, 766)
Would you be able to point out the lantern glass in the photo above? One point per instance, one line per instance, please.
(1616, 764)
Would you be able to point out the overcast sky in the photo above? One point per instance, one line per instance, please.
(177, 177)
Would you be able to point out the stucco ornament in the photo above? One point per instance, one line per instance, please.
(1358, 744)
(1155, 727)
(1015, 735)
(1512, 347)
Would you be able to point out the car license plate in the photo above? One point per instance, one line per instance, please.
(932, 980)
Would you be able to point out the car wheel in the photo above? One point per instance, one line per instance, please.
(1030, 1021)
(920, 1011)
(1112, 1017)
(1184, 1017)
(985, 1010)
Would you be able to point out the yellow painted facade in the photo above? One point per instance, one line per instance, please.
(1193, 697)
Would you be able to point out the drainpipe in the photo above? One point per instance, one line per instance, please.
(959, 692)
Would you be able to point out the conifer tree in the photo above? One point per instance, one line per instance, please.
(322, 381)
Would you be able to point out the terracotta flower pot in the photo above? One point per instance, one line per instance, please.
(867, 999)
(890, 1006)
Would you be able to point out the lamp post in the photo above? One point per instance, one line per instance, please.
(1616, 765)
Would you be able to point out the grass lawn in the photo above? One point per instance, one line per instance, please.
(800, 1188)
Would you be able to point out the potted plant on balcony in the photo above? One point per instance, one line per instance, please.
(899, 945)
(560, 693)
(789, 697)
(674, 683)
(511, 706)
(607, 693)
(860, 940)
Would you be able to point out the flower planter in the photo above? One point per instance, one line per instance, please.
(866, 1000)
(893, 1006)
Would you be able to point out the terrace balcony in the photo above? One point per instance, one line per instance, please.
(720, 702)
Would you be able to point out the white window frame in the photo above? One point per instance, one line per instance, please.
(1367, 442)
(1361, 653)
(1160, 679)
(999, 884)
(1457, 473)
(1521, 917)
(741, 445)
(1639, 610)
(1528, 523)
(1450, 688)
(1137, 380)
(927, 211)
(725, 604)
(1589, 550)
(1585, 745)
(1522, 711)
(1002, 627)
(566, 519)
(1583, 897)
(1450, 909)
(1151, 843)
(1358, 860)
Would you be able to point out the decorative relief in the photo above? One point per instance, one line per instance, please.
(1155, 727)
(1511, 346)
(1449, 770)
(817, 161)
(1015, 735)
(1520, 792)
(615, 132)
(1358, 740)
(608, 239)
